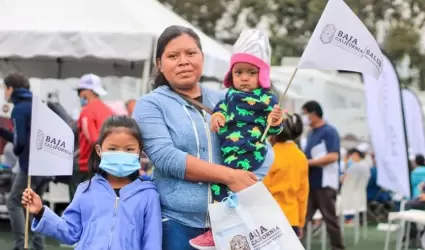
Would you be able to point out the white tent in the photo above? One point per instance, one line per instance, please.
(155, 17)
(106, 37)
(72, 29)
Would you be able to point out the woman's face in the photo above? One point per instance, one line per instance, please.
(182, 62)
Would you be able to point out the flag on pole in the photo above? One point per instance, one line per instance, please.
(386, 126)
(341, 41)
(51, 143)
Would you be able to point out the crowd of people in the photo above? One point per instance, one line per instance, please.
(203, 145)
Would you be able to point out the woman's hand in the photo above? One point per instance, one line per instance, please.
(276, 114)
(216, 123)
(241, 179)
(31, 200)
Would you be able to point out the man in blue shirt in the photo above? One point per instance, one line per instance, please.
(322, 151)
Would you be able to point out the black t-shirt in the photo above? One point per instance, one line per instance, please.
(117, 191)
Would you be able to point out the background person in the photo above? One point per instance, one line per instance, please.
(17, 91)
(322, 151)
(357, 167)
(287, 179)
(93, 113)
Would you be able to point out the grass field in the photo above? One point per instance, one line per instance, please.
(375, 240)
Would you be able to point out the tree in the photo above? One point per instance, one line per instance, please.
(291, 23)
(203, 14)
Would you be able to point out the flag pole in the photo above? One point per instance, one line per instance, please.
(280, 100)
(27, 218)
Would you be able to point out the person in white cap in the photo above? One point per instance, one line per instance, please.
(365, 148)
(93, 113)
(357, 167)
(242, 117)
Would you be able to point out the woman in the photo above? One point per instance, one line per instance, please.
(287, 180)
(178, 141)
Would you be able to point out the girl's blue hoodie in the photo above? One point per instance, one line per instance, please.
(172, 129)
(98, 219)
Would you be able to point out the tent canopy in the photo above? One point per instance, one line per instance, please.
(71, 29)
(155, 17)
(102, 29)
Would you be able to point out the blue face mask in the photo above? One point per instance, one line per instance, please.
(83, 102)
(119, 164)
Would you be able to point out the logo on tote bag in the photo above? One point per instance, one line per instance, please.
(262, 236)
(239, 242)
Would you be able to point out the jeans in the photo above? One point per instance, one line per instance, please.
(16, 212)
(177, 236)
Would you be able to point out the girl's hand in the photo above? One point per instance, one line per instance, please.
(276, 114)
(216, 123)
(241, 179)
(31, 200)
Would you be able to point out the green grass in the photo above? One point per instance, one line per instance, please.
(375, 240)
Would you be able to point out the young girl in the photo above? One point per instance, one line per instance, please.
(115, 209)
(287, 179)
(242, 117)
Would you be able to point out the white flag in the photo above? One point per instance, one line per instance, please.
(340, 41)
(51, 143)
(386, 126)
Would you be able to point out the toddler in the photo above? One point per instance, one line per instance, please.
(242, 117)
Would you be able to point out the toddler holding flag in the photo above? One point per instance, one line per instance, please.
(242, 117)
(115, 209)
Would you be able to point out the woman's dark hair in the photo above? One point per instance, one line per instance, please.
(292, 128)
(108, 127)
(167, 35)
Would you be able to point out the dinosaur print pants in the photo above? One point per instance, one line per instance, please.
(238, 159)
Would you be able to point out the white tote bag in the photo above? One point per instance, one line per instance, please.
(252, 220)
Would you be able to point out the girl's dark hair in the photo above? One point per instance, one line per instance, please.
(108, 127)
(292, 128)
(167, 35)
